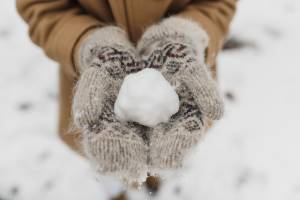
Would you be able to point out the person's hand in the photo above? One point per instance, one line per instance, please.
(176, 47)
(105, 58)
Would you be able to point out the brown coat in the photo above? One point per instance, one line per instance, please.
(58, 25)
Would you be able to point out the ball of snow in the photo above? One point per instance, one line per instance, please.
(146, 97)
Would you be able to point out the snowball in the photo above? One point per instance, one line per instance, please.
(147, 98)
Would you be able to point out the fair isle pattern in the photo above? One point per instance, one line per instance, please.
(170, 142)
(168, 58)
(113, 147)
(189, 115)
(183, 43)
(117, 60)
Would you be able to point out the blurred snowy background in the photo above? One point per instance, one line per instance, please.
(252, 154)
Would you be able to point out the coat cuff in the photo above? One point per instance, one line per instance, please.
(215, 42)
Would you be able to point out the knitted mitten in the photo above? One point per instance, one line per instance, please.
(115, 148)
(176, 47)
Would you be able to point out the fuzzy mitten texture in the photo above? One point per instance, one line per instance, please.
(115, 148)
(176, 47)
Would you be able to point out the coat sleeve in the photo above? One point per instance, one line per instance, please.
(56, 26)
(214, 16)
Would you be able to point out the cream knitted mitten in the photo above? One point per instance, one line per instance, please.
(176, 47)
(115, 148)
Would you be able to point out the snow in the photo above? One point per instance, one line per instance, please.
(253, 153)
(147, 98)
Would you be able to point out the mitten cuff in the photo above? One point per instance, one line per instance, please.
(178, 145)
(176, 29)
(110, 36)
(118, 156)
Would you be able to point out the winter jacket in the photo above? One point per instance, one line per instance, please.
(58, 25)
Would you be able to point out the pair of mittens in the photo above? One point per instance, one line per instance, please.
(175, 47)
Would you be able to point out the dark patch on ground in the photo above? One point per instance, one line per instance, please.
(4, 33)
(235, 43)
(229, 95)
(243, 178)
(177, 190)
(25, 106)
(11, 193)
(49, 185)
(247, 175)
(14, 191)
(43, 156)
(52, 96)
(273, 32)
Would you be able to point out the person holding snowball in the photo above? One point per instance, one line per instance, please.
(100, 42)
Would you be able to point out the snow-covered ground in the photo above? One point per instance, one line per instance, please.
(253, 153)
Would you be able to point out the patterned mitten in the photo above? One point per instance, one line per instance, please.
(115, 148)
(176, 47)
